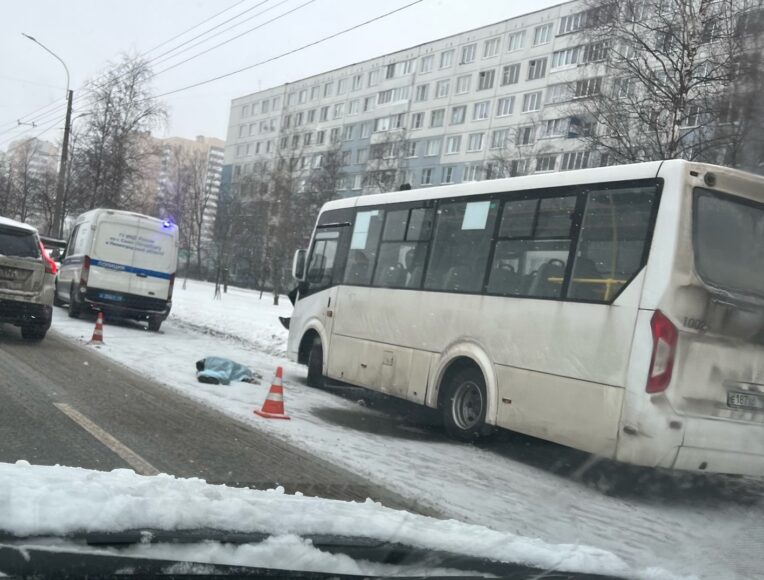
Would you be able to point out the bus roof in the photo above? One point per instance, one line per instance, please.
(646, 170)
(94, 213)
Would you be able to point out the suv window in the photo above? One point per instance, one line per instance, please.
(18, 243)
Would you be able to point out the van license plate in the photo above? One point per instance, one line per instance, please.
(112, 297)
(9, 273)
(745, 401)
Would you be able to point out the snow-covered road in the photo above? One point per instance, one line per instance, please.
(709, 527)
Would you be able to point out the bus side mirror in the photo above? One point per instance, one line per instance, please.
(298, 265)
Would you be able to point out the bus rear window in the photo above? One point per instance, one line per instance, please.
(728, 242)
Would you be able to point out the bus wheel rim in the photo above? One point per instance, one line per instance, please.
(467, 405)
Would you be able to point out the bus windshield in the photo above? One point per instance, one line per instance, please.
(729, 242)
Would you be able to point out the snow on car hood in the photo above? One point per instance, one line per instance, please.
(44, 500)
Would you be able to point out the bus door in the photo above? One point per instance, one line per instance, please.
(327, 256)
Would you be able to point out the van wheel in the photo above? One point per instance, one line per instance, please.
(74, 304)
(464, 405)
(155, 323)
(56, 300)
(316, 364)
(33, 333)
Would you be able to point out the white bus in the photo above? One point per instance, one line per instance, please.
(617, 310)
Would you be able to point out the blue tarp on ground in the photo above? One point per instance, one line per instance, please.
(222, 370)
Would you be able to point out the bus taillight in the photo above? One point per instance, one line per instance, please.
(664, 349)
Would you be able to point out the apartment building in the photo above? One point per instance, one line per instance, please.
(493, 99)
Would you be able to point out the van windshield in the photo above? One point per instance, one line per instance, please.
(729, 242)
(18, 243)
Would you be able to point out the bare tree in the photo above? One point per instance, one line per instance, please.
(512, 150)
(662, 77)
(23, 179)
(112, 151)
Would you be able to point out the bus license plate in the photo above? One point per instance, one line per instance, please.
(9, 273)
(745, 401)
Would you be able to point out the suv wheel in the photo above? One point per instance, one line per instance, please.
(33, 333)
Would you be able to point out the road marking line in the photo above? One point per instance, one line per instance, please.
(131, 457)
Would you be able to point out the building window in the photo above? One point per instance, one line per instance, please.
(524, 135)
(425, 64)
(291, 97)
(298, 119)
(468, 53)
(472, 173)
(285, 123)
(324, 115)
(536, 68)
(475, 142)
(596, 51)
(342, 86)
(245, 110)
(447, 174)
(339, 110)
(491, 47)
(546, 163)
(573, 22)
(368, 104)
(421, 93)
(516, 41)
(510, 74)
(499, 138)
(320, 135)
(357, 181)
(556, 127)
(481, 110)
(453, 144)
(588, 87)
(441, 89)
(357, 82)
(486, 79)
(463, 84)
(411, 148)
(558, 93)
(446, 58)
(365, 130)
(295, 141)
(314, 92)
(532, 102)
(347, 132)
(303, 96)
(433, 148)
(565, 58)
(275, 103)
(265, 106)
(417, 120)
(307, 140)
(334, 135)
(252, 128)
(458, 114)
(312, 116)
(328, 88)
(542, 34)
(426, 176)
(373, 77)
(436, 117)
(345, 159)
(504, 106)
(354, 107)
(575, 160)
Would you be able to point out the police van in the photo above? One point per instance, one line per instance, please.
(119, 262)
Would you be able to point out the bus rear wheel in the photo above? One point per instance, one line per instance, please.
(464, 405)
(316, 364)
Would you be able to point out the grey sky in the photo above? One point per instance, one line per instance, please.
(87, 34)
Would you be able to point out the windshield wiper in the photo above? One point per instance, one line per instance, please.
(358, 548)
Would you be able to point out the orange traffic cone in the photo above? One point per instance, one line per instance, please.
(273, 407)
(98, 331)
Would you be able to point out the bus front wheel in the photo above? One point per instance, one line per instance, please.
(464, 405)
(316, 364)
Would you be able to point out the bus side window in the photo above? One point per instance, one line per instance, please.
(612, 241)
(532, 251)
(322, 260)
(461, 244)
(403, 249)
(364, 244)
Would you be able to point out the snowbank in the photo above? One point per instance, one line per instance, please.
(42, 500)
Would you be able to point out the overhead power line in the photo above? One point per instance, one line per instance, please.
(289, 52)
(197, 55)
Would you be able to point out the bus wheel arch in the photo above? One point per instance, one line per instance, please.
(463, 399)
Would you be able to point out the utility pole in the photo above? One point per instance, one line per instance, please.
(57, 226)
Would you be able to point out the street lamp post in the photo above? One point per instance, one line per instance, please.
(56, 226)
